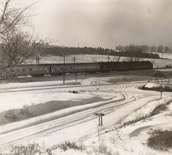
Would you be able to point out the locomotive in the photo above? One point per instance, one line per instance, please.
(57, 69)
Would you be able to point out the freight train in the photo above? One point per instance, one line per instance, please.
(57, 69)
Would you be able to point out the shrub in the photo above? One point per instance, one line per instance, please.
(160, 140)
(70, 145)
(31, 149)
(63, 147)
(102, 149)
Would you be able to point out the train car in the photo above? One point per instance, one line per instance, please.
(92, 67)
(124, 66)
(24, 70)
(39, 70)
(74, 68)
(144, 65)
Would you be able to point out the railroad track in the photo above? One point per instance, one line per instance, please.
(65, 87)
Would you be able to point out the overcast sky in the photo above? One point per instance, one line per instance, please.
(104, 23)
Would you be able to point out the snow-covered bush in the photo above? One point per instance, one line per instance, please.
(71, 145)
(31, 149)
(160, 140)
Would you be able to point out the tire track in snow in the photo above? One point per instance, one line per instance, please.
(34, 132)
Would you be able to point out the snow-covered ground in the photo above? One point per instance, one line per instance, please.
(129, 139)
(122, 103)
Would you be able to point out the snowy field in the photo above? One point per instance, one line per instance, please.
(52, 114)
(157, 63)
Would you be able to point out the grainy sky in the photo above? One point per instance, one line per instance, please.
(104, 23)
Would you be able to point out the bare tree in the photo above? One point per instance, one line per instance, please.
(11, 17)
(16, 46)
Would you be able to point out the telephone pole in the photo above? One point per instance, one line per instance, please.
(64, 70)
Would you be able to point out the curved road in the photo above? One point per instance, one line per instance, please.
(43, 129)
(34, 132)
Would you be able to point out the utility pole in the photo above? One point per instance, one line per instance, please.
(162, 52)
(160, 94)
(74, 59)
(108, 57)
(85, 71)
(161, 90)
(76, 77)
(64, 70)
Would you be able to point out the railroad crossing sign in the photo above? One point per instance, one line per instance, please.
(100, 115)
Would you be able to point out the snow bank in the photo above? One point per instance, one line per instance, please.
(152, 85)
(147, 109)
(157, 85)
(32, 84)
(20, 100)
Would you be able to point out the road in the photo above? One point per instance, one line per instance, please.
(34, 132)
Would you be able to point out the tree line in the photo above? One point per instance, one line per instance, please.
(144, 48)
(61, 51)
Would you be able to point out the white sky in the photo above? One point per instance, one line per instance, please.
(105, 23)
